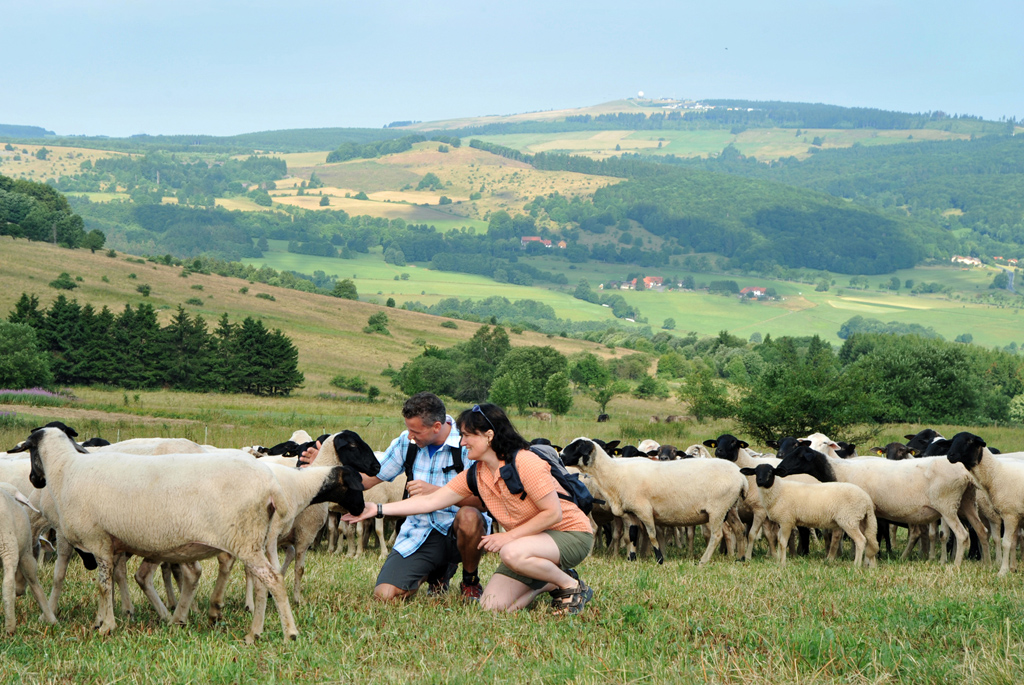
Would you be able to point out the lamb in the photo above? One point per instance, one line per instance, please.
(382, 493)
(231, 504)
(676, 493)
(917, 491)
(729, 448)
(1003, 480)
(16, 553)
(819, 505)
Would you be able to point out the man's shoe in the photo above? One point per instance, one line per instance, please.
(472, 593)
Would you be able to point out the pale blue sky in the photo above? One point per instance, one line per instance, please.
(119, 67)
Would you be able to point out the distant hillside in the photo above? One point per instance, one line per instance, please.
(327, 331)
(13, 131)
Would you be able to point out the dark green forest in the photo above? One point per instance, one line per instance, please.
(38, 212)
(131, 350)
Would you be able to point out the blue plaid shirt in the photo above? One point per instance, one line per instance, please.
(430, 470)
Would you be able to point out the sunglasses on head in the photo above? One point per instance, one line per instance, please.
(478, 410)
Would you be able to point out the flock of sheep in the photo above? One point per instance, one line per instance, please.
(173, 503)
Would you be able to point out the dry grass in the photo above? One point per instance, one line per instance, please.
(62, 161)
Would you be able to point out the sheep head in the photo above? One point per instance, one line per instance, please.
(581, 452)
(352, 451)
(967, 449)
(764, 474)
(895, 451)
(726, 447)
(343, 486)
(37, 475)
(921, 440)
(805, 459)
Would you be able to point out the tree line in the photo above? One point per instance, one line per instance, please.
(38, 212)
(82, 346)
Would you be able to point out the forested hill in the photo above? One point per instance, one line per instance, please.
(757, 224)
(969, 184)
(13, 131)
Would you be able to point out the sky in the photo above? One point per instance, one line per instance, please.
(222, 67)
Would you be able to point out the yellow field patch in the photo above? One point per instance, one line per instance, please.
(61, 161)
(294, 159)
(890, 303)
(388, 210)
(953, 212)
(242, 203)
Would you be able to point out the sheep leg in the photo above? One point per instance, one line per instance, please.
(190, 574)
(1010, 523)
(736, 540)
(870, 527)
(859, 542)
(300, 570)
(835, 545)
(913, 533)
(760, 515)
(10, 563)
(690, 535)
(250, 604)
(29, 571)
(225, 562)
(168, 576)
(634, 534)
(289, 557)
(60, 570)
(105, 621)
(144, 577)
(121, 578)
(332, 533)
(969, 510)
(785, 529)
(268, 578)
(358, 541)
(378, 526)
(716, 521)
(953, 524)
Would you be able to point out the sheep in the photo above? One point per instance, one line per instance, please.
(697, 451)
(16, 553)
(731, 449)
(382, 493)
(601, 418)
(676, 493)
(111, 503)
(153, 446)
(819, 505)
(917, 491)
(667, 453)
(1003, 481)
(648, 448)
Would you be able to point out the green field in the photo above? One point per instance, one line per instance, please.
(814, 621)
(803, 311)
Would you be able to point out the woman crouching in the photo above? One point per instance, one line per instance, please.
(545, 535)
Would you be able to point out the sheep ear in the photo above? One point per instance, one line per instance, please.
(747, 471)
(774, 444)
(913, 452)
(909, 437)
(877, 450)
(610, 446)
(743, 445)
(710, 443)
(281, 448)
(351, 478)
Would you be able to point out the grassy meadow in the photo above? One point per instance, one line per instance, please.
(914, 621)
(802, 312)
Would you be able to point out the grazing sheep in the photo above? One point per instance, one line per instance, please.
(176, 508)
(820, 505)
(916, 491)
(648, 448)
(676, 493)
(734, 450)
(601, 418)
(17, 554)
(1003, 481)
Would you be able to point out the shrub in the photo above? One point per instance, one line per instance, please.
(266, 296)
(353, 383)
(194, 301)
(197, 286)
(377, 323)
(449, 324)
(244, 289)
(23, 364)
(1017, 409)
(390, 302)
(557, 393)
(144, 289)
(63, 282)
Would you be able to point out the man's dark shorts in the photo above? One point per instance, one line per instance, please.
(436, 560)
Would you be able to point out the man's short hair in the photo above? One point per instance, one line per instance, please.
(425, 405)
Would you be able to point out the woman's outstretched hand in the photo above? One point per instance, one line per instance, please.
(369, 511)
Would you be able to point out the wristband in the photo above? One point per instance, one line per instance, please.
(380, 511)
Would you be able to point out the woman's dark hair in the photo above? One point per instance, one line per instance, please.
(481, 418)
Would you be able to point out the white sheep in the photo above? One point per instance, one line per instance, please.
(827, 506)
(177, 508)
(1002, 479)
(913, 492)
(16, 553)
(685, 492)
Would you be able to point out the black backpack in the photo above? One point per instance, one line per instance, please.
(570, 482)
(410, 457)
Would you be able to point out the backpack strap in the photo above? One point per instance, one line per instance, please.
(456, 466)
(472, 484)
(410, 458)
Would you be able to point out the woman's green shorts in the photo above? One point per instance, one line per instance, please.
(573, 547)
